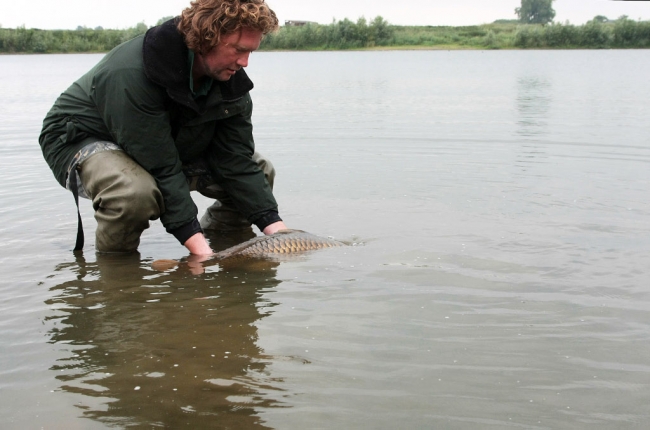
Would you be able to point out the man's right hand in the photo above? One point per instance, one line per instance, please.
(198, 245)
(274, 228)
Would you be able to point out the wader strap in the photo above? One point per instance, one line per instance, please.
(80, 230)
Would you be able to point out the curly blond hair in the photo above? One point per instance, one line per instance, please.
(205, 21)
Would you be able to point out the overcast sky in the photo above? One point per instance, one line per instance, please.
(68, 14)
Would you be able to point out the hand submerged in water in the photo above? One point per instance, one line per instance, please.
(195, 263)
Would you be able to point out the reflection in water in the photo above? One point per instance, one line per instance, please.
(533, 105)
(533, 102)
(163, 349)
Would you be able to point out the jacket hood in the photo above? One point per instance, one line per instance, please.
(165, 54)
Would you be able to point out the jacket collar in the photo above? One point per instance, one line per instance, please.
(164, 54)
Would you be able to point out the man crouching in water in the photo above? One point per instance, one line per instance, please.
(164, 114)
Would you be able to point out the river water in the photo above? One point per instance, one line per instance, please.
(497, 208)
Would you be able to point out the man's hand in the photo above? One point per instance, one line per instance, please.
(198, 245)
(200, 251)
(274, 228)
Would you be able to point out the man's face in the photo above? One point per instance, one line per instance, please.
(231, 54)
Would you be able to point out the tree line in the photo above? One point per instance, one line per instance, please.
(344, 34)
(23, 40)
(599, 33)
(363, 34)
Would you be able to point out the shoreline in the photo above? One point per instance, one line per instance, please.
(376, 49)
(380, 48)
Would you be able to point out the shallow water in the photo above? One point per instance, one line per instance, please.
(499, 201)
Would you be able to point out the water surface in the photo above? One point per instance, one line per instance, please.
(499, 200)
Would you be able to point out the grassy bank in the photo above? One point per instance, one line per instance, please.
(363, 34)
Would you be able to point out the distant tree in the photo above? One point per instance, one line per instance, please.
(535, 11)
(164, 19)
(600, 19)
(141, 27)
(381, 31)
(99, 28)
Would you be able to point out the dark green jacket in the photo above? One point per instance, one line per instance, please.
(138, 96)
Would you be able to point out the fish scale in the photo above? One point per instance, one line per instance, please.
(282, 242)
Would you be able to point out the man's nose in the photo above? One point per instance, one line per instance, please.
(243, 60)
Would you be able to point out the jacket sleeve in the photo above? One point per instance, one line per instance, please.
(133, 109)
(230, 159)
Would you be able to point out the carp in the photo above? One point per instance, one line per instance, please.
(283, 243)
